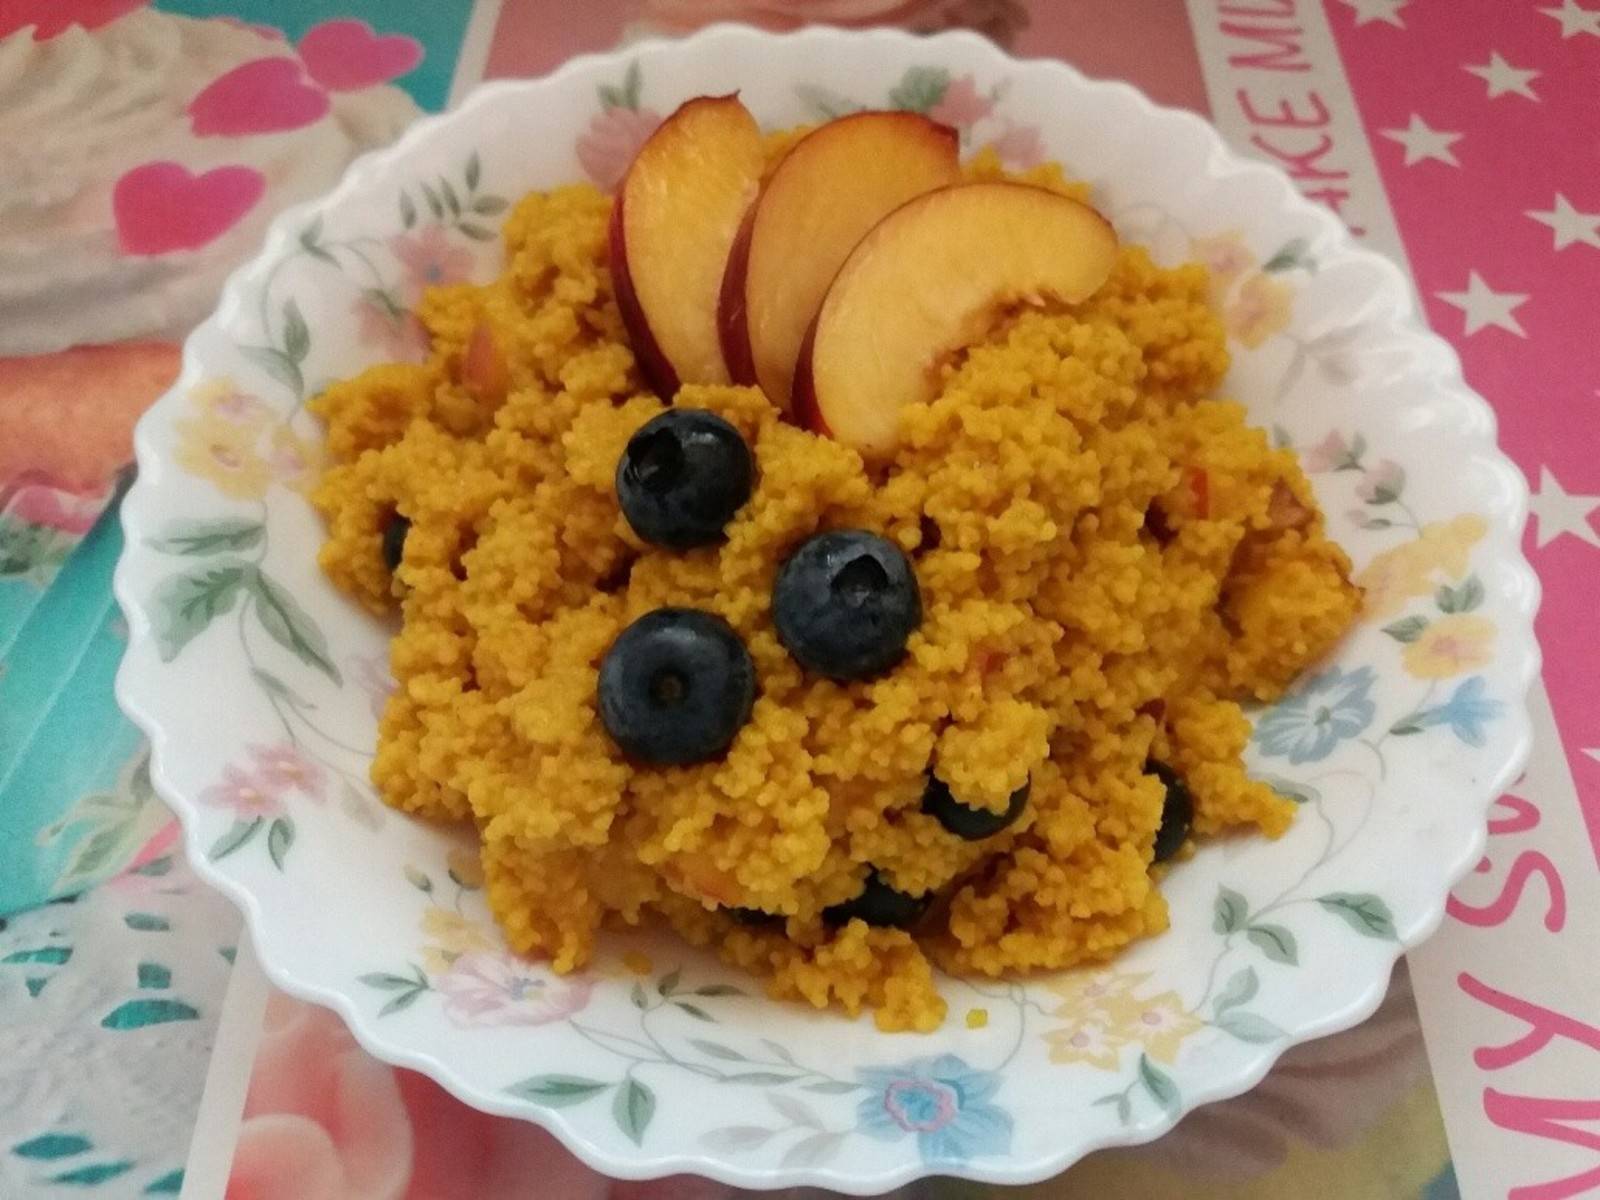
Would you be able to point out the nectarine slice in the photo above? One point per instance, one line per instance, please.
(834, 185)
(928, 280)
(675, 218)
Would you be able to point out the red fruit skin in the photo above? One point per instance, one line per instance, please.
(806, 411)
(733, 327)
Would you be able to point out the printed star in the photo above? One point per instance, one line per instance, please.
(1484, 306)
(1387, 11)
(1503, 78)
(1559, 511)
(1570, 225)
(1575, 19)
(1593, 753)
(1422, 142)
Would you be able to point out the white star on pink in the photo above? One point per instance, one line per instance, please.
(1557, 511)
(1569, 225)
(1574, 18)
(1504, 79)
(1485, 307)
(1387, 11)
(1423, 142)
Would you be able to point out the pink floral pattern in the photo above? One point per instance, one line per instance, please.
(430, 259)
(612, 139)
(1019, 146)
(1381, 483)
(370, 672)
(382, 324)
(1326, 454)
(247, 794)
(962, 105)
(497, 989)
(287, 768)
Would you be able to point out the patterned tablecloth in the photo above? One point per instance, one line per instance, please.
(145, 146)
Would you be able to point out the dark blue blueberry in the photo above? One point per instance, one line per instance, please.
(676, 686)
(845, 603)
(394, 541)
(1177, 811)
(880, 905)
(682, 477)
(968, 823)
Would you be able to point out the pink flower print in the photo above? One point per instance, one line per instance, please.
(488, 988)
(382, 323)
(962, 105)
(1226, 256)
(287, 768)
(225, 402)
(294, 461)
(429, 258)
(1383, 483)
(614, 136)
(371, 675)
(1019, 146)
(1326, 454)
(248, 795)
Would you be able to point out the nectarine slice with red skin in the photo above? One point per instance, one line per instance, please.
(832, 186)
(926, 281)
(677, 212)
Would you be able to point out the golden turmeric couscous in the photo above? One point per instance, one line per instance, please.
(1108, 561)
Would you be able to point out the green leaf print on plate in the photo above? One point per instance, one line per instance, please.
(290, 625)
(211, 536)
(920, 88)
(1159, 1084)
(236, 836)
(1241, 988)
(1364, 913)
(279, 838)
(1232, 910)
(1276, 942)
(633, 1109)
(186, 604)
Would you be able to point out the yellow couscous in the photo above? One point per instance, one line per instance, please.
(1109, 560)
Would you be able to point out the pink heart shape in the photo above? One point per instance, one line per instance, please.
(263, 96)
(346, 55)
(161, 206)
(51, 18)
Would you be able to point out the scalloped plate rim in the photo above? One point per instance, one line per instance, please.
(1403, 319)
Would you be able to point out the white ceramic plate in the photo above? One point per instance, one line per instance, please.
(258, 684)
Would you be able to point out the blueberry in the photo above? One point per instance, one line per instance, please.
(755, 918)
(845, 603)
(968, 823)
(676, 686)
(682, 477)
(394, 541)
(1177, 811)
(879, 905)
